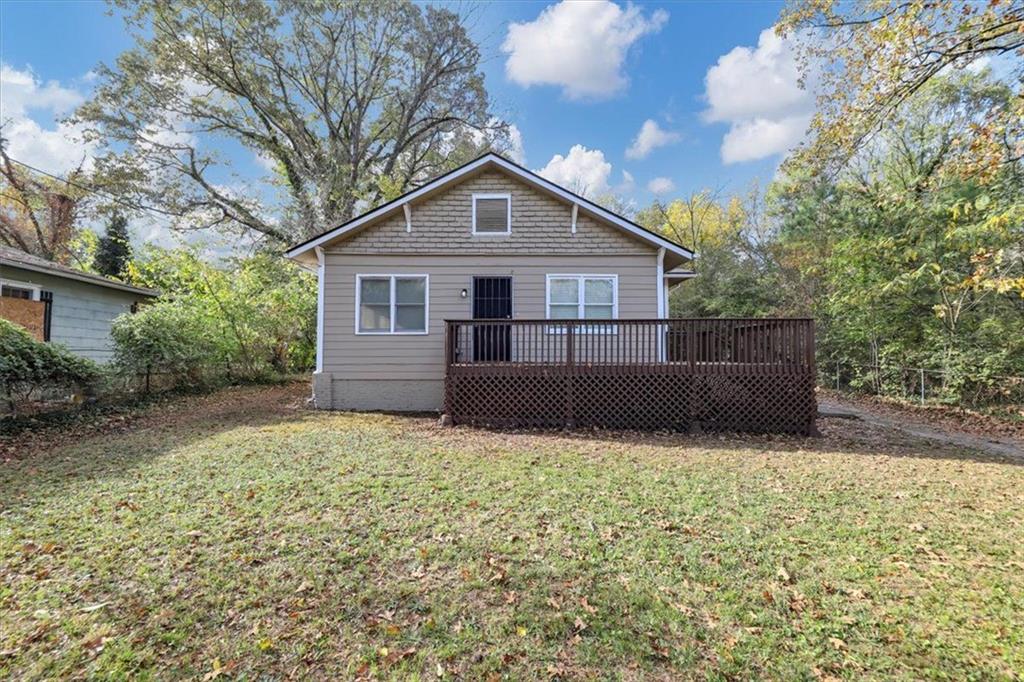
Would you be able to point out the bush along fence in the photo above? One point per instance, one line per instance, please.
(31, 369)
(922, 385)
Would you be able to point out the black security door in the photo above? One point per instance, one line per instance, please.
(492, 300)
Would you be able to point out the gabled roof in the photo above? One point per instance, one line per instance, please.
(490, 159)
(26, 261)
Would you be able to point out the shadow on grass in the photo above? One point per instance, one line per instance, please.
(55, 459)
(839, 436)
(48, 461)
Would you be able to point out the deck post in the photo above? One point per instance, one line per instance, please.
(570, 375)
(449, 388)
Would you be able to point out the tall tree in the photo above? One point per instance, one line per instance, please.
(114, 249)
(866, 59)
(736, 270)
(913, 263)
(38, 214)
(350, 103)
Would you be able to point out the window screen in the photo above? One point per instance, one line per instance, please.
(491, 215)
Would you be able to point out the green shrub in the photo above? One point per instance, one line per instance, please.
(27, 365)
(257, 314)
(164, 338)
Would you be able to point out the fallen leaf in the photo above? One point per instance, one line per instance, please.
(587, 607)
(784, 575)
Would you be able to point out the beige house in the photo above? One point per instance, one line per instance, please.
(489, 240)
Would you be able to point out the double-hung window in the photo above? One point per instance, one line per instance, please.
(583, 297)
(392, 304)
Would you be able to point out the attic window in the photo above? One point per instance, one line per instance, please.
(492, 214)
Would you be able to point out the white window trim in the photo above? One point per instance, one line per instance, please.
(393, 277)
(593, 326)
(36, 288)
(494, 195)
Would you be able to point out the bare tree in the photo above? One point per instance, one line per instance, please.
(350, 103)
(37, 214)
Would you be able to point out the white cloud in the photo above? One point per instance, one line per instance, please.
(579, 46)
(584, 171)
(761, 137)
(627, 184)
(661, 186)
(266, 161)
(22, 91)
(757, 91)
(57, 149)
(516, 152)
(650, 137)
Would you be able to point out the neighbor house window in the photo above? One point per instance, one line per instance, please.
(16, 290)
(582, 297)
(492, 213)
(391, 304)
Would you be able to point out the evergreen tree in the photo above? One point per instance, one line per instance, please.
(114, 250)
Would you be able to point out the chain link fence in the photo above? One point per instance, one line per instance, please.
(920, 384)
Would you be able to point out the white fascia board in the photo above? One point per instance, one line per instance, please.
(512, 168)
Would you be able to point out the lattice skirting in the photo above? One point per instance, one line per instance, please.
(758, 404)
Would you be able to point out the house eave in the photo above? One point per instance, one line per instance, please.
(84, 277)
(298, 251)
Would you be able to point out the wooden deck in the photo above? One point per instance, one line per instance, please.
(680, 374)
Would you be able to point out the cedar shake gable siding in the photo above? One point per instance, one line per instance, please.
(442, 224)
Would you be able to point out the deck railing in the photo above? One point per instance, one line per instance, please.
(684, 345)
(737, 374)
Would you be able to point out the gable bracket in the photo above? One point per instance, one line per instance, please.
(575, 212)
(408, 216)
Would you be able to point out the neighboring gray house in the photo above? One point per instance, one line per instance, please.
(490, 240)
(64, 305)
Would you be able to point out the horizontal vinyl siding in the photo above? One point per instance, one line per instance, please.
(82, 313)
(351, 356)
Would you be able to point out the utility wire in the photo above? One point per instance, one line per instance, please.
(93, 190)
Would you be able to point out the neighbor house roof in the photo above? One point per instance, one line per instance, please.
(26, 261)
(493, 160)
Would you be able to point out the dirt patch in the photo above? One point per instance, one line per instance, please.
(944, 417)
(946, 432)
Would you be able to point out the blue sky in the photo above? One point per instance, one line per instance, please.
(583, 75)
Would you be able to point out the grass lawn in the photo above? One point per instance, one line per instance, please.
(240, 535)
